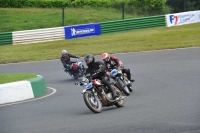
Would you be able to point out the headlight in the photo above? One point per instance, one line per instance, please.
(120, 71)
(85, 79)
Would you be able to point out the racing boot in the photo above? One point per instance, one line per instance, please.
(129, 78)
(132, 80)
(114, 94)
(66, 70)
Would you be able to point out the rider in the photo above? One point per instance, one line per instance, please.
(97, 70)
(112, 62)
(65, 59)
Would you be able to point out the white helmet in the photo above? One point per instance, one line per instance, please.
(64, 52)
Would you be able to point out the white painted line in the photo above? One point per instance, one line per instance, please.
(54, 91)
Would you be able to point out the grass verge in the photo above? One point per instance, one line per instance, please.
(7, 78)
(132, 41)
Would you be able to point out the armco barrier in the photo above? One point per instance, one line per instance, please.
(22, 90)
(132, 24)
(6, 38)
(58, 33)
(38, 35)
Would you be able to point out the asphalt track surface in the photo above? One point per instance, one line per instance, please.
(166, 98)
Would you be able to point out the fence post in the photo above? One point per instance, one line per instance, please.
(185, 4)
(63, 16)
(123, 10)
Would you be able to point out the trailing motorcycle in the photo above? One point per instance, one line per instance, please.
(77, 70)
(121, 80)
(96, 95)
(124, 76)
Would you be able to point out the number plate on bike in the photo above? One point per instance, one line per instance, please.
(88, 86)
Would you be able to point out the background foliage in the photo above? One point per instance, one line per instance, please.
(16, 15)
(145, 5)
(183, 5)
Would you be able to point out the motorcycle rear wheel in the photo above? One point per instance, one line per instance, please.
(94, 105)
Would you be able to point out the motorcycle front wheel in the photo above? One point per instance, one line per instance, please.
(124, 87)
(92, 102)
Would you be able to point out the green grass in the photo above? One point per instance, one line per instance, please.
(17, 19)
(7, 78)
(132, 41)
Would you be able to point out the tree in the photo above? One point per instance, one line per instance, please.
(183, 5)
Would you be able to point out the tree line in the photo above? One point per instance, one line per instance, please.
(151, 7)
(183, 5)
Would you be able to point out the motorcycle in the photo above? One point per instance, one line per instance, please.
(128, 82)
(121, 80)
(77, 70)
(124, 77)
(96, 95)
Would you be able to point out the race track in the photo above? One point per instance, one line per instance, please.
(166, 98)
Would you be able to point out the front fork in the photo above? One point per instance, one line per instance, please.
(82, 70)
(93, 92)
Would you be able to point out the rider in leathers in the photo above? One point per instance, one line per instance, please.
(97, 70)
(65, 59)
(112, 62)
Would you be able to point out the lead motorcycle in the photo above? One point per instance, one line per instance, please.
(77, 70)
(96, 95)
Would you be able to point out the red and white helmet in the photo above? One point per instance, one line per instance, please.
(105, 57)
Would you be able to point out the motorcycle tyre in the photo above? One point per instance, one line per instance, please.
(125, 89)
(129, 86)
(75, 76)
(89, 105)
(121, 102)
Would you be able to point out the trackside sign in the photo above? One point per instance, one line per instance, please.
(183, 18)
(85, 30)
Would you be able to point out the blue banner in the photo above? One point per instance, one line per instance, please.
(84, 30)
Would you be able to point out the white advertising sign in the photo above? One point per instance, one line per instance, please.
(183, 18)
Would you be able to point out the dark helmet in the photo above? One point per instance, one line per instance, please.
(89, 59)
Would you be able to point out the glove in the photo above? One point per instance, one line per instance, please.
(108, 73)
(117, 67)
(81, 83)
